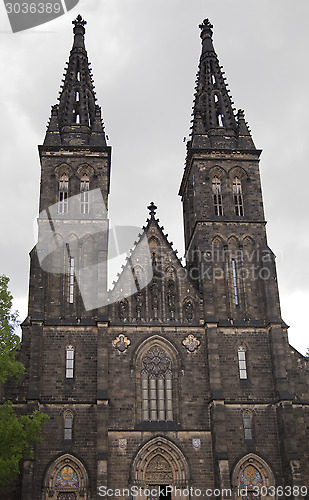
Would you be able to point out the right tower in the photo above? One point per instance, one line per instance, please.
(232, 267)
(225, 237)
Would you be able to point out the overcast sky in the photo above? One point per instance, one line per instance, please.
(144, 56)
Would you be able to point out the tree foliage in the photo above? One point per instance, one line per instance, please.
(18, 433)
(9, 341)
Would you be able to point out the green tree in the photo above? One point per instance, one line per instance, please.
(18, 433)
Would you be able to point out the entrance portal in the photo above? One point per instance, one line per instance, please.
(157, 465)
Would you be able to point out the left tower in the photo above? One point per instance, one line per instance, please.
(68, 269)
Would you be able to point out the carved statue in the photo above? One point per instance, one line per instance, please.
(188, 310)
(122, 309)
(171, 298)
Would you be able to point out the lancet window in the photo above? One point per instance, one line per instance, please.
(235, 286)
(247, 420)
(69, 362)
(238, 197)
(68, 425)
(84, 194)
(217, 196)
(242, 363)
(71, 280)
(157, 390)
(63, 194)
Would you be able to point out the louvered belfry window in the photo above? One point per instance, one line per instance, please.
(238, 197)
(63, 194)
(84, 194)
(217, 196)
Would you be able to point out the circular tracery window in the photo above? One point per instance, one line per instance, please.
(156, 362)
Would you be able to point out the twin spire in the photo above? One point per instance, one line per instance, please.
(215, 124)
(77, 117)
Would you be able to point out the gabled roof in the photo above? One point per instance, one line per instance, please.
(153, 263)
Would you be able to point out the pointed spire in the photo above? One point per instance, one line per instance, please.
(78, 117)
(214, 122)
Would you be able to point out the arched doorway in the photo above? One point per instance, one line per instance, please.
(252, 478)
(66, 479)
(158, 468)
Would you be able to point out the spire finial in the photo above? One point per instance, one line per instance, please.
(79, 29)
(206, 28)
(152, 209)
(79, 21)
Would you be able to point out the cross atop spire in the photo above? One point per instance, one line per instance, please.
(77, 113)
(79, 31)
(79, 22)
(206, 35)
(152, 209)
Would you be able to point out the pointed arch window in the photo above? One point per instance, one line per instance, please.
(63, 194)
(84, 194)
(235, 287)
(242, 363)
(68, 426)
(157, 387)
(247, 421)
(71, 280)
(217, 196)
(249, 476)
(69, 362)
(238, 197)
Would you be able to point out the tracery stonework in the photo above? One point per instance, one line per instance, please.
(156, 362)
(159, 470)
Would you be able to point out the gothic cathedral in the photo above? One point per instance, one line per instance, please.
(182, 376)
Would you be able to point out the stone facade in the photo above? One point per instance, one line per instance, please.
(188, 381)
